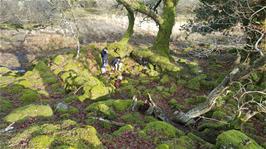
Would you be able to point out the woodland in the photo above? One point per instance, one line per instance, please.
(133, 74)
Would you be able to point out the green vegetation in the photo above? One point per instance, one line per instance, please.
(29, 111)
(181, 91)
(236, 139)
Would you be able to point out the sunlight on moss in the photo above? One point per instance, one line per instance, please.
(29, 111)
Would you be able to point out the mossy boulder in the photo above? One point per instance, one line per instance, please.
(123, 129)
(183, 142)
(59, 60)
(237, 140)
(81, 138)
(31, 110)
(109, 108)
(41, 142)
(162, 129)
(29, 96)
(163, 146)
(98, 91)
(4, 70)
(137, 118)
(156, 59)
(26, 134)
(94, 89)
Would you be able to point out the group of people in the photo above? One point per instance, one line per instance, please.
(116, 63)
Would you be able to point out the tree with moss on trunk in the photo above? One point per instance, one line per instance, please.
(165, 21)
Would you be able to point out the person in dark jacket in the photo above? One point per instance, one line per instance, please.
(116, 64)
(104, 56)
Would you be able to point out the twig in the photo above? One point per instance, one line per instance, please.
(8, 128)
(108, 121)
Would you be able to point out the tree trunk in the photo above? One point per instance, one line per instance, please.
(130, 28)
(161, 44)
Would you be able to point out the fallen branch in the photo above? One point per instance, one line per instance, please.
(205, 107)
(108, 121)
(8, 128)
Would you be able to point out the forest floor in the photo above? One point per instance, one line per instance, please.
(64, 102)
(60, 97)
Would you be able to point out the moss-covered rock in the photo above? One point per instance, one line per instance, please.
(81, 138)
(101, 108)
(4, 70)
(161, 128)
(237, 140)
(26, 134)
(137, 118)
(123, 129)
(98, 91)
(59, 60)
(29, 96)
(163, 146)
(156, 59)
(29, 111)
(68, 123)
(41, 142)
(109, 108)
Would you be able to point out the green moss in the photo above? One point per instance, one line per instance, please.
(5, 104)
(185, 142)
(41, 142)
(219, 115)
(121, 105)
(101, 108)
(237, 140)
(163, 146)
(165, 79)
(25, 83)
(195, 82)
(196, 100)
(78, 138)
(123, 129)
(26, 134)
(68, 123)
(157, 60)
(98, 91)
(41, 66)
(29, 96)
(49, 128)
(161, 128)
(4, 70)
(173, 103)
(109, 108)
(59, 60)
(29, 111)
(15, 89)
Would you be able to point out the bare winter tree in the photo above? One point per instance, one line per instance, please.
(222, 15)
